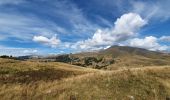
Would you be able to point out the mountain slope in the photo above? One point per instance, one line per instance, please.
(116, 56)
(135, 57)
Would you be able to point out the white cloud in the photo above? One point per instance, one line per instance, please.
(53, 41)
(165, 38)
(26, 25)
(125, 27)
(75, 17)
(152, 10)
(128, 25)
(150, 43)
(104, 21)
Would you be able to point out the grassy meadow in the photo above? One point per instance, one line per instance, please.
(34, 80)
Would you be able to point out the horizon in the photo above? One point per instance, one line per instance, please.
(55, 54)
(47, 27)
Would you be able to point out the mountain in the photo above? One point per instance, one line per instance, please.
(125, 56)
(116, 57)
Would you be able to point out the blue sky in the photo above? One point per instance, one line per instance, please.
(63, 26)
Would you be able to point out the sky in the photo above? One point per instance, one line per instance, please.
(45, 27)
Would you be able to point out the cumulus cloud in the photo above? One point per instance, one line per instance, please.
(53, 41)
(165, 38)
(124, 32)
(125, 27)
(150, 43)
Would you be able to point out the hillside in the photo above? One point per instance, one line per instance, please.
(14, 71)
(58, 81)
(116, 57)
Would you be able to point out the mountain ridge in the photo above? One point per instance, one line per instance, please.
(115, 56)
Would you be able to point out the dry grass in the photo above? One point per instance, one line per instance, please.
(137, 62)
(58, 81)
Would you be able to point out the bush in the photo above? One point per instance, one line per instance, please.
(5, 56)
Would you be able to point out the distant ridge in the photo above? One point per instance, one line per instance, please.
(115, 57)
